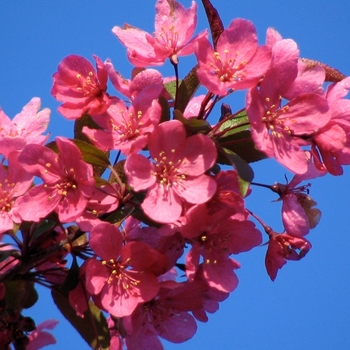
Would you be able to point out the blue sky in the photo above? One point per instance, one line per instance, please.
(308, 306)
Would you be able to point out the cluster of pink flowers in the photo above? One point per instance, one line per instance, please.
(152, 242)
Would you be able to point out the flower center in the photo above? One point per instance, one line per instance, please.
(229, 69)
(129, 127)
(117, 273)
(273, 120)
(5, 196)
(167, 170)
(168, 38)
(89, 85)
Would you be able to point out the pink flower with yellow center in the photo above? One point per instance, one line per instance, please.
(126, 129)
(25, 128)
(177, 175)
(124, 275)
(68, 182)
(14, 182)
(237, 62)
(174, 28)
(80, 87)
(278, 129)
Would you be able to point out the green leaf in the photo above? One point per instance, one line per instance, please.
(192, 125)
(20, 295)
(4, 254)
(119, 168)
(171, 88)
(240, 143)
(244, 171)
(72, 278)
(187, 88)
(165, 109)
(238, 122)
(44, 227)
(243, 186)
(93, 322)
(117, 216)
(89, 153)
(84, 120)
(92, 154)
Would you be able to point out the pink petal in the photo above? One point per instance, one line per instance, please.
(162, 204)
(106, 241)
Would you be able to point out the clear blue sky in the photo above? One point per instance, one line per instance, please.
(308, 306)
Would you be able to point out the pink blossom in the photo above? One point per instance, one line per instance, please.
(126, 275)
(298, 212)
(25, 128)
(237, 62)
(127, 129)
(277, 130)
(165, 316)
(211, 299)
(307, 78)
(80, 87)
(214, 238)
(177, 176)
(141, 79)
(333, 141)
(283, 247)
(40, 337)
(193, 107)
(14, 182)
(103, 199)
(228, 197)
(68, 182)
(174, 28)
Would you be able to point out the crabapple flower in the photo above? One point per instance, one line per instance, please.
(25, 128)
(127, 129)
(308, 77)
(40, 337)
(277, 129)
(141, 79)
(333, 141)
(228, 197)
(68, 182)
(166, 316)
(193, 107)
(298, 212)
(14, 182)
(124, 276)
(177, 174)
(237, 63)
(283, 247)
(174, 28)
(214, 238)
(80, 87)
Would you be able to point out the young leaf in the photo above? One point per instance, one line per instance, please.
(20, 295)
(192, 125)
(245, 172)
(187, 89)
(215, 23)
(241, 144)
(92, 327)
(171, 88)
(92, 154)
(237, 123)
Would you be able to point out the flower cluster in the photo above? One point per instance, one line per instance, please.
(152, 235)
